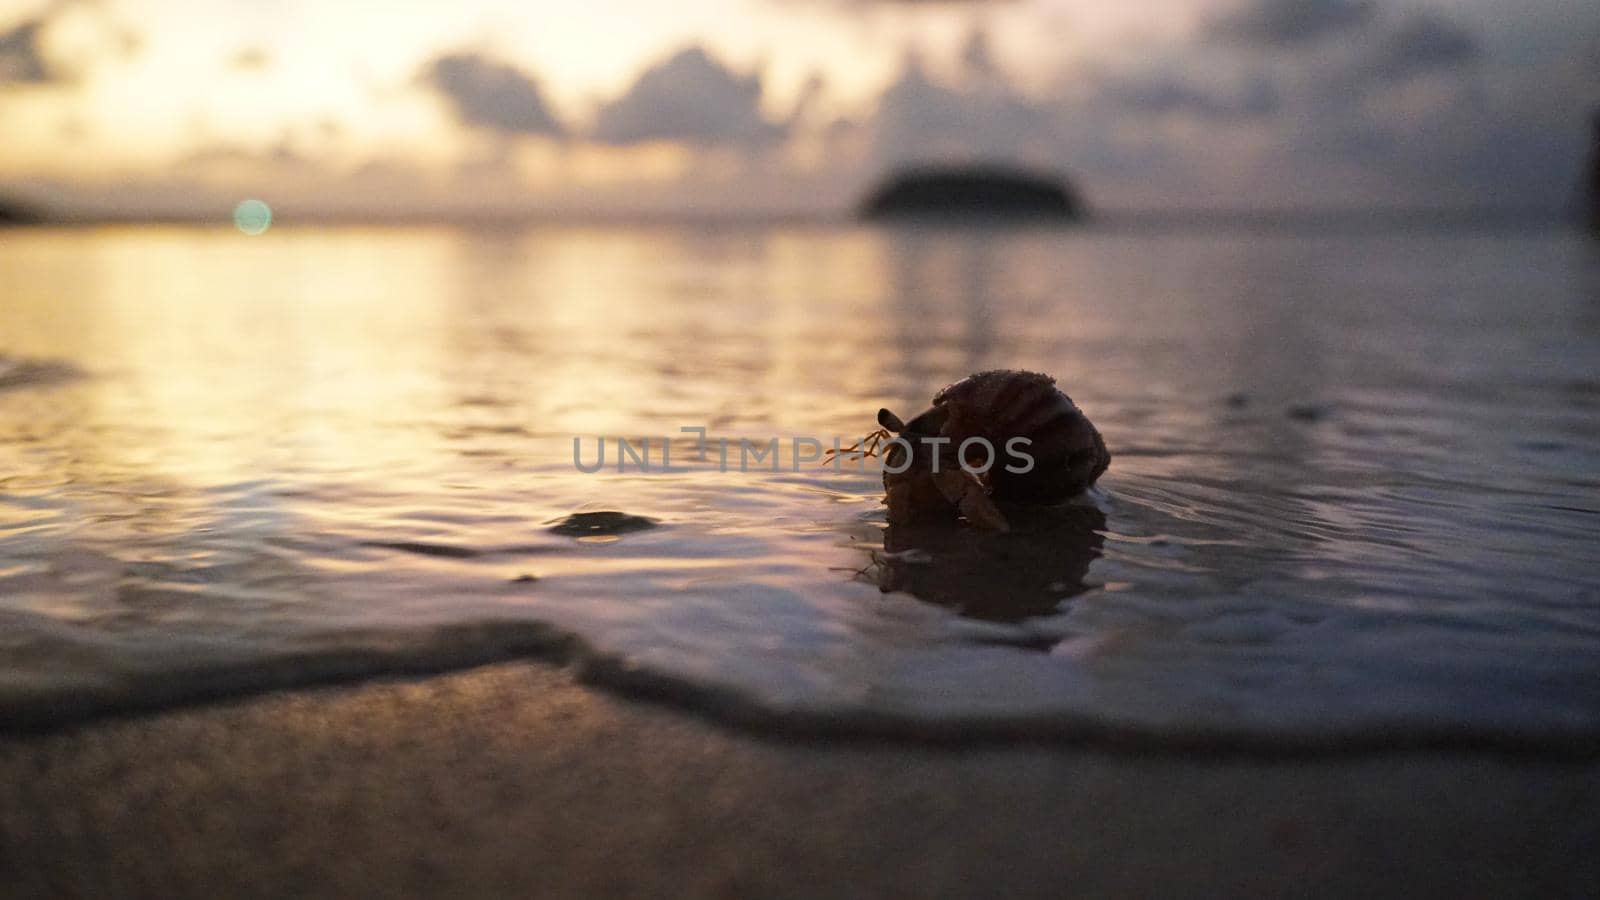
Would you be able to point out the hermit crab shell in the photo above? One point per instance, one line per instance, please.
(1001, 405)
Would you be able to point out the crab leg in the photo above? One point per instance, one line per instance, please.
(966, 491)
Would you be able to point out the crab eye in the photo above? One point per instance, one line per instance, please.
(890, 421)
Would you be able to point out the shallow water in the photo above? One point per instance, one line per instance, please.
(1353, 495)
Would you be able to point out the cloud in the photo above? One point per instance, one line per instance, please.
(1361, 116)
(21, 60)
(977, 55)
(1167, 94)
(1106, 122)
(486, 93)
(1374, 50)
(1290, 22)
(918, 119)
(1268, 104)
(1198, 121)
(688, 97)
(250, 59)
(871, 4)
(212, 160)
(1425, 44)
(83, 35)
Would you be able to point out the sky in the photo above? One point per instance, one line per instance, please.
(504, 107)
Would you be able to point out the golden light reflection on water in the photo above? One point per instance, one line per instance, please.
(275, 438)
(216, 349)
(390, 355)
(408, 363)
(587, 327)
(406, 366)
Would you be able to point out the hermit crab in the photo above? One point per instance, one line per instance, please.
(1002, 435)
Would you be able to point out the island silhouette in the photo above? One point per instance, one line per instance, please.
(974, 191)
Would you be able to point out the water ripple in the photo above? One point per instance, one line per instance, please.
(1340, 515)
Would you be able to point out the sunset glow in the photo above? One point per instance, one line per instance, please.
(154, 106)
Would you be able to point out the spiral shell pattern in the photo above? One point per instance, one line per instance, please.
(999, 405)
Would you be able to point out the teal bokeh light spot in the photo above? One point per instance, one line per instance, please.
(252, 217)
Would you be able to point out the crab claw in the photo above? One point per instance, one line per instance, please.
(963, 489)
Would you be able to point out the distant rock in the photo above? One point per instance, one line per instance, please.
(15, 214)
(987, 192)
(1307, 412)
(605, 523)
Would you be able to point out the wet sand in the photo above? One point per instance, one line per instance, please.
(516, 781)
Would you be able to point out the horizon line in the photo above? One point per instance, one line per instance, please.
(1111, 219)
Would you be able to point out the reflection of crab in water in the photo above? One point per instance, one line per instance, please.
(1027, 572)
(1002, 435)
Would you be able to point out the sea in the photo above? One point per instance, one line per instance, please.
(1354, 499)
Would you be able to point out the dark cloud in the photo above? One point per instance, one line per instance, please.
(487, 93)
(21, 60)
(1328, 127)
(1425, 44)
(1364, 113)
(1288, 22)
(977, 55)
(688, 97)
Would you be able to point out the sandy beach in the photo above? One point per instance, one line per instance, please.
(516, 781)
